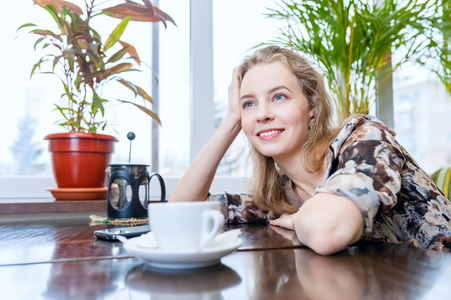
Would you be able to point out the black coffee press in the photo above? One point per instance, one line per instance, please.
(129, 188)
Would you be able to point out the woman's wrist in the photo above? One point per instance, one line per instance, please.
(232, 122)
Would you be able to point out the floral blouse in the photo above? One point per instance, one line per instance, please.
(399, 202)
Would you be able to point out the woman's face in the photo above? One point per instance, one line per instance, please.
(274, 111)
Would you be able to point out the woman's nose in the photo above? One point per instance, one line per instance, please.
(264, 114)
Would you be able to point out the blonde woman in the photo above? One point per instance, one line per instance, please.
(332, 186)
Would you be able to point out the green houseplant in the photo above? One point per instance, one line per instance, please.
(352, 42)
(85, 63)
(438, 55)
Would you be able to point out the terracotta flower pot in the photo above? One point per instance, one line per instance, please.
(80, 159)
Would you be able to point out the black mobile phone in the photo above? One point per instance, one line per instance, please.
(128, 232)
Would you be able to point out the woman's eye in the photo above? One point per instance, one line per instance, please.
(248, 104)
(279, 97)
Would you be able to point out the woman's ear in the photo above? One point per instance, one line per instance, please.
(312, 121)
(312, 116)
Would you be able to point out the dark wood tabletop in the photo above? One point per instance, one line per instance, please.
(61, 259)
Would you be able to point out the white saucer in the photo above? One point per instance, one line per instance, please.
(180, 259)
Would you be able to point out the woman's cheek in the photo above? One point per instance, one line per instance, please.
(246, 127)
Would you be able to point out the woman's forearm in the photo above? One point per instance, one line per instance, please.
(195, 184)
(328, 223)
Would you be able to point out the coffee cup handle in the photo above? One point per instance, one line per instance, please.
(209, 232)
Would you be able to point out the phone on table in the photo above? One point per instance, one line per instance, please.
(128, 232)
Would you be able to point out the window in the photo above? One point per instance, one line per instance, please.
(175, 90)
(228, 30)
(422, 108)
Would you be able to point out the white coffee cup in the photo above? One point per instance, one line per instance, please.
(185, 225)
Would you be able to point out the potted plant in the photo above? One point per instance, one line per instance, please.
(86, 62)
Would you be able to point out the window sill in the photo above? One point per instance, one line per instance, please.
(53, 207)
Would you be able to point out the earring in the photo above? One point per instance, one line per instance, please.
(310, 127)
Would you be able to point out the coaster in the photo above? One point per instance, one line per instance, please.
(95, 220)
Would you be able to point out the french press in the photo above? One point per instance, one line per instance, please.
(129, 188)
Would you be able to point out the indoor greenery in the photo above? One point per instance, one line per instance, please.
(86, 62)
(438, 55)
(353, 41)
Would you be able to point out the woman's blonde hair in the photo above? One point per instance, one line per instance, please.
(267, 182)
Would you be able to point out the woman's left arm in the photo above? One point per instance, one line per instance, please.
(326, 223)
(365, 182)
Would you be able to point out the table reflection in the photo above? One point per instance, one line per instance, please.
(202, 284)
(94, 280)
(359, 272)
(88, 279)
(334, 277)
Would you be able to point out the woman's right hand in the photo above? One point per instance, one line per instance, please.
(234, 110)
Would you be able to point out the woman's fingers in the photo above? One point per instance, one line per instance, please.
(234, 94)
(285, 221)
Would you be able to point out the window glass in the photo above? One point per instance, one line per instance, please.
(174, 83)
(238, 27)
(26, 105)
(421, 112)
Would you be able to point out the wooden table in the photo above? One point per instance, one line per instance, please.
(61, 259)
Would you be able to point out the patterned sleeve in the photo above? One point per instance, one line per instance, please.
(240, 209)
(367, 170)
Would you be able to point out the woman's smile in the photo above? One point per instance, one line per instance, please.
(269, 133)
